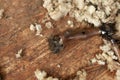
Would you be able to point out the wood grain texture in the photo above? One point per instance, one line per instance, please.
(15, 34)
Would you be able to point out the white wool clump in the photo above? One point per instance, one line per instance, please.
(100, 62)
(19, 53)
(92, 20)
(100, 14)
(92, 11)
(107, 10)
(93, 1)
(118, 25)
(117, 75)
(105, 48)
(79, 4)
(48, 25)
(70, 23)
(81, 75)
(107, 57)
(1, 13)
(32, 27)
(42, 75)
(93, 60)
(36, 27)
(57, 8)
(97, 15)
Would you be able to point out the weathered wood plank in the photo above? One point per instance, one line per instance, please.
(15, 34)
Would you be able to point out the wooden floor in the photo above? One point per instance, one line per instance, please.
(15, 35)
